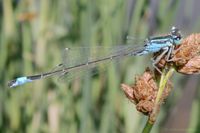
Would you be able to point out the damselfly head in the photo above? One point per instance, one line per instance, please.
(176, 34)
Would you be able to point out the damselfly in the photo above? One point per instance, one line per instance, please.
(163, 44)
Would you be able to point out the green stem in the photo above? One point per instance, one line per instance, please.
(164, 79)
(147, 127)
(152, 118)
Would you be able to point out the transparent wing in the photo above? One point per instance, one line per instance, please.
(78, 60)
(80, 55)
(135, 40)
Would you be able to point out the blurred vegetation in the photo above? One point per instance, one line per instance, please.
(33, 34)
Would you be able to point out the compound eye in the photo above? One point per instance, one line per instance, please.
(178, 37)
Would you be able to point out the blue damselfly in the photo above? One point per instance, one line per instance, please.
(164, 44)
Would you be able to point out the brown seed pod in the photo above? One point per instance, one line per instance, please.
(189, 48)
(191, 67)
(143, 93)
(186, 58)
(145, 107)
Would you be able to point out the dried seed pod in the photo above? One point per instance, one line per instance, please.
(145, 107)
(186, 58)
(128, 91)
(143, 93)
(145, 87)
(189, 48)
(191, 67)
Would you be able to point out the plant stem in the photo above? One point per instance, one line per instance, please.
(147, 127)
(152, 118)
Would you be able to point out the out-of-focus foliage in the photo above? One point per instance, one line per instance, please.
(33, 34)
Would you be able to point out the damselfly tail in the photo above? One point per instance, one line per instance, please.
(22, 80)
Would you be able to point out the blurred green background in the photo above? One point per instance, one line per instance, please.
(33, 34)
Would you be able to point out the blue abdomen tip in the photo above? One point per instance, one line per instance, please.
(19, 81)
